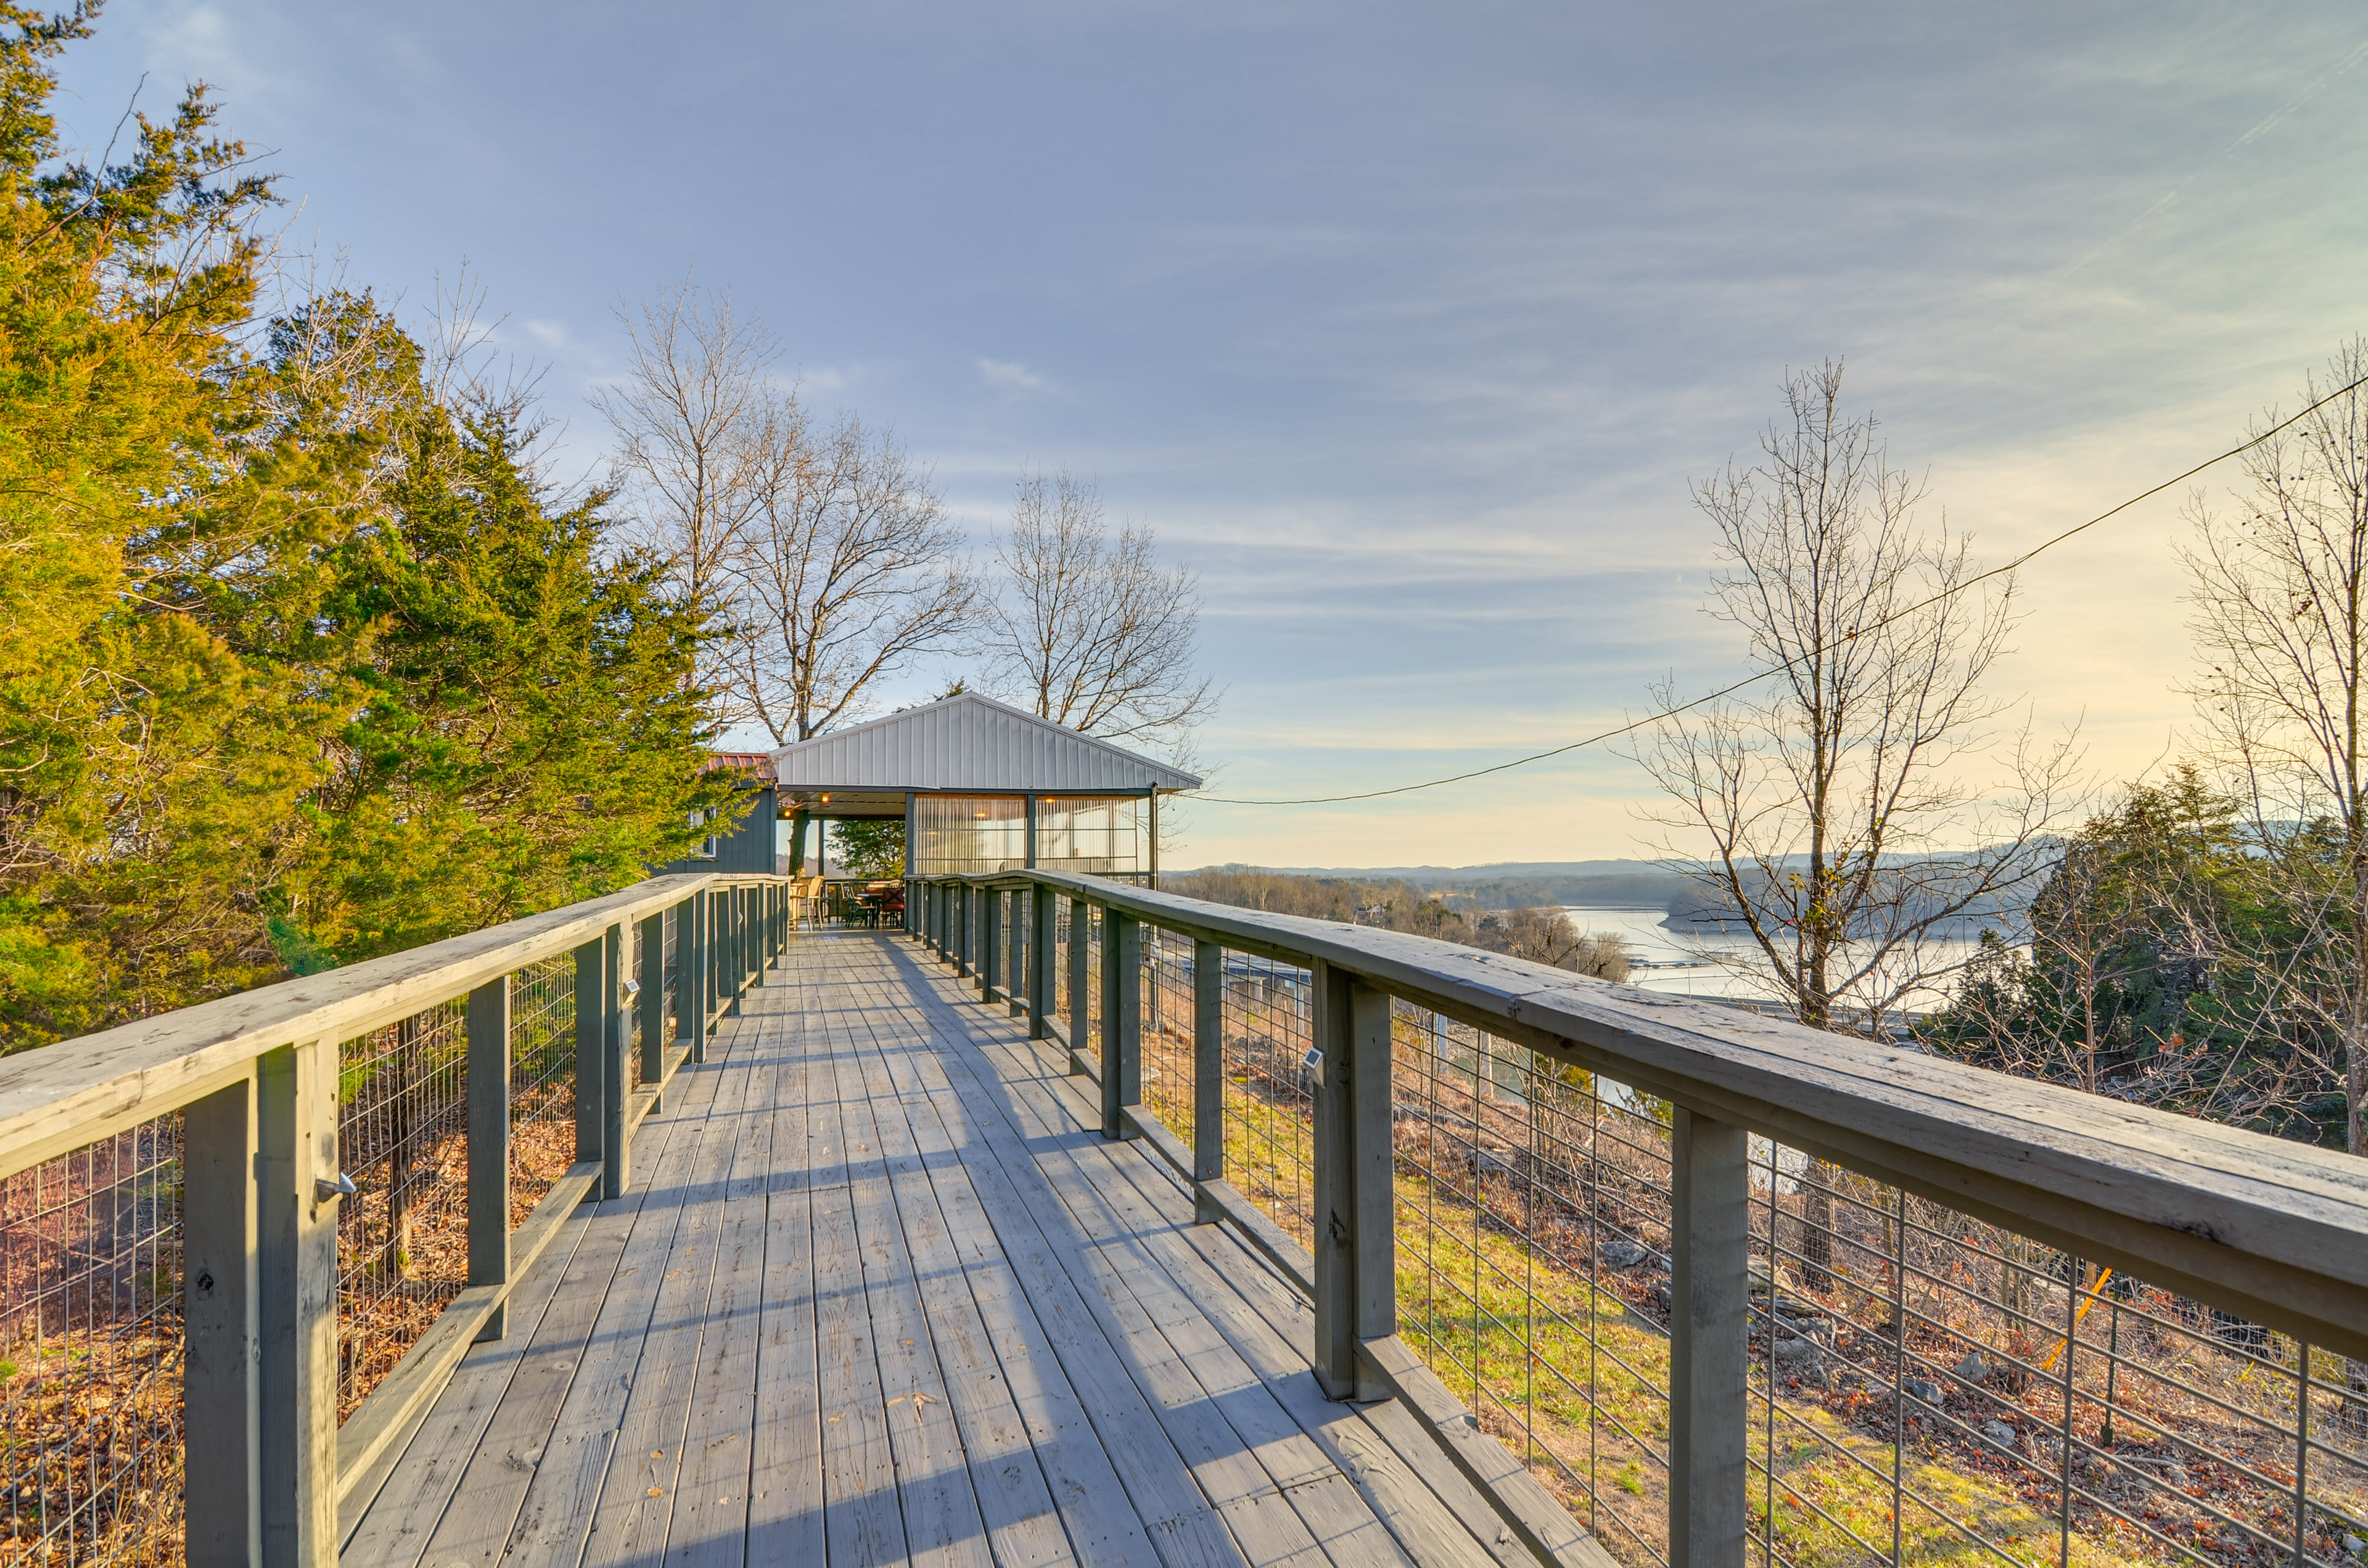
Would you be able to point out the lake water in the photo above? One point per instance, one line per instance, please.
(1686, 963)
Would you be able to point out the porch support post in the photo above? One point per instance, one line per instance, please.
(297, 1283)
(1356, 1285)
(1208, 1076)
(489, 1144)
(1121, 1019)
(1710, 1248)
(616, 1065)
(1040, 963)
(221, 1376)
(990, 942)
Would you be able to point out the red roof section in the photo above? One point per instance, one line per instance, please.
(758, 764)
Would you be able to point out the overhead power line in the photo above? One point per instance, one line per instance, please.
(1631, 728)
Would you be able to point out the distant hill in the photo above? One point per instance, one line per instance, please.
(1592, 884)
(1522, 884)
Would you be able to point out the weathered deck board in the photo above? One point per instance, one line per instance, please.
(883, 1297)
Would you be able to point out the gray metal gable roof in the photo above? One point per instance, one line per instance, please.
(969, 743)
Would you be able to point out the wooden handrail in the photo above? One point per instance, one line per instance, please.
(2274, 1231)
(61, 1097)
(258, 1077)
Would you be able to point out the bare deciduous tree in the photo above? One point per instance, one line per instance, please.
(1844, 833)
(2280, 596)
(1844, 830)
(689, 415)
(822, 566)
(850, 568)
(1089, 629)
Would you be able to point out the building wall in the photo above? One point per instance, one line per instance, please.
(746, 849)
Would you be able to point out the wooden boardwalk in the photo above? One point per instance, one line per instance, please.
(877, 1295)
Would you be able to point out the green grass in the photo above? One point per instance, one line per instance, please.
(1570, 1377)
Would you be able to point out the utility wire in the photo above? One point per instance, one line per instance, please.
(1708, 697)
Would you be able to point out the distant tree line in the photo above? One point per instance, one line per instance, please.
(1544, 933)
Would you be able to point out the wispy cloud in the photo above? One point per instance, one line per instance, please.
(1008, 375)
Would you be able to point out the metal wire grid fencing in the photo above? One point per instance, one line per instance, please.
(542, 1080)
(91, 1354)
(1061, 940)
(1532, 1249)
(1267, 1031)
(1927, 1385)
(670, 973)
(1924, 1386)
(1166, 1029)
(403, 1236)
(1013, 964)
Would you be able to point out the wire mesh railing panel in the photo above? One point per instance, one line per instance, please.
(1166, 1029)
(1928, 1386)
(1013, 926)
(92, 1354)
(402, 1236)
(1088, 1038)
(542, 1080)
(1532, 1248)
(671, 933)
(1062, 937)
(1269, 1095)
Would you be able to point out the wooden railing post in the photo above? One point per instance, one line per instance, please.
(1081, 954)
(1121, 1019)
(965, 913)
(489, 1144)
(990, 943)
(1208, 1076)
(1039, 961)
(220, 1376)
(296, 1279)
(651, 947)
(616, 1062)
(1710, 1247)
(1355, 1283)
(591, 1048)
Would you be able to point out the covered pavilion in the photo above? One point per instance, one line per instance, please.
(981, 786)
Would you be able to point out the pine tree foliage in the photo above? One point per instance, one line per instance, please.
(297, 664)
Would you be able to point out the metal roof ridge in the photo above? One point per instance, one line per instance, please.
(1038, 720)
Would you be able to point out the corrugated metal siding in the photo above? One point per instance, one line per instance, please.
(971, 744)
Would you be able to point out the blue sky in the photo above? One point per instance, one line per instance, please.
(1404, 328)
